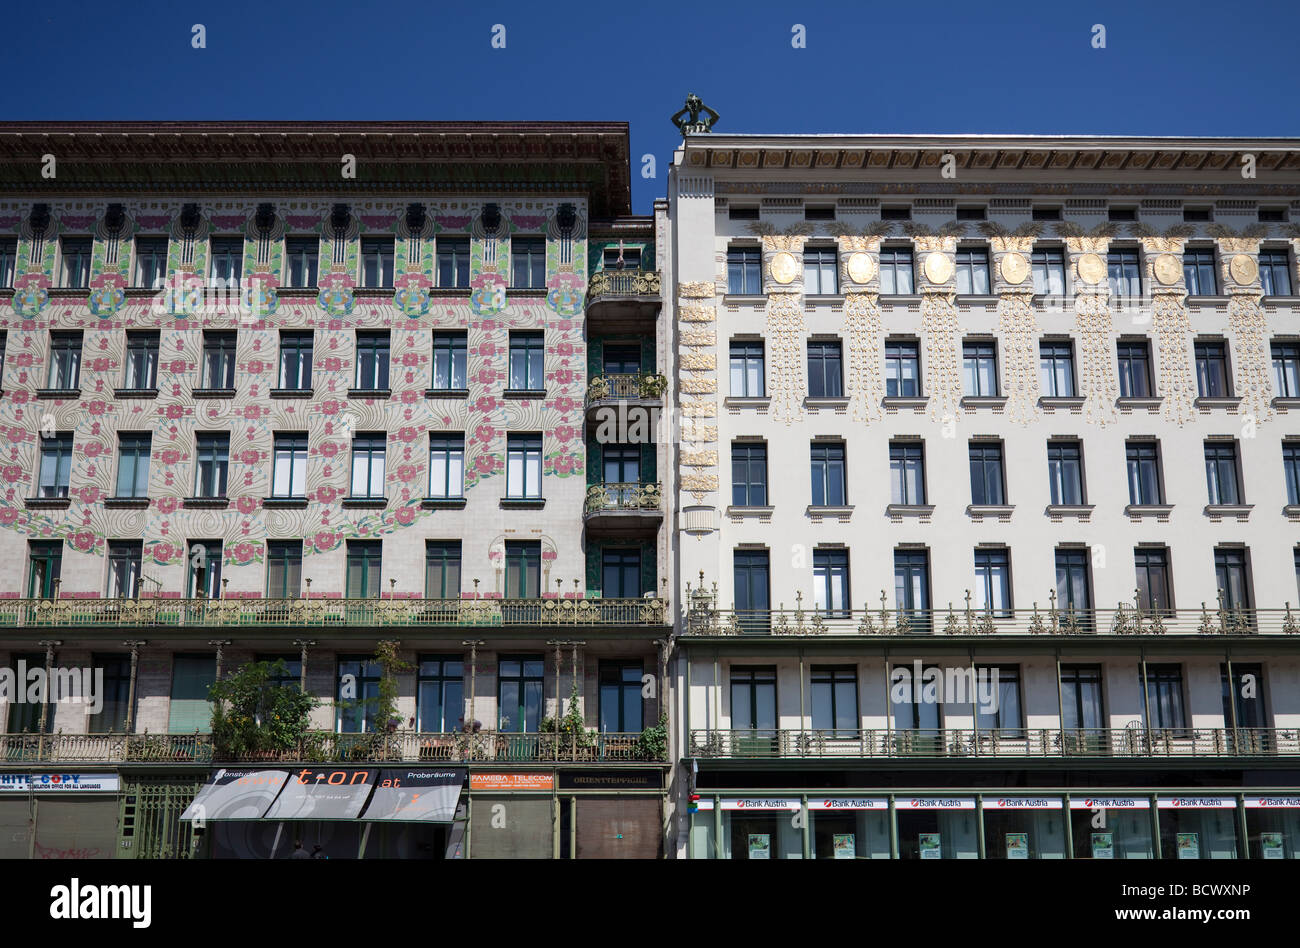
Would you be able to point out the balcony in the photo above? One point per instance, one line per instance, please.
(1006, 743)
(623, 508)
(623, 300)
(636, 397)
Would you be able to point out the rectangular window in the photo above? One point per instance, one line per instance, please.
(204, 569)
(446, 466)
(742, 213)
(1212, 379)
(826, 213)
(831, 583)
(124, 569)
(453, 262)
(993, 581)
(150, 262)
(906, 472)
(979, 369)
(902, 369)
(227, 264)
(524, 466)
(44, 564)
(973, 272)
(1145, 485)
(622, 474)
(528, 263)
(1048, 266)
(620, 697)
(289, 471)
(744, 268)
(288, 676)
(620, 573)
(1286, 369)
(825, 376)
(364, 559)
(368, 456)
(133, 451)
(1232, 572)
(1121, 213)
(449, 350)
(8, 261)
(111, 718)
(1124, 274)
(302, 261)
(141, 360)
(835, 700)
(747, 369)
(1134, 369)
(912, 588)
(1164, 696)
(624, 258)
(1221, 472)
(752, 584)
(819, 271)
(749, 474)
(219, 360)
(753, 702)
(1065, 472)
(358, 694)
(523, 569)
(1056, 359)
(1275, 272)
(896, 277)
(1073, 588)
(986, 473)
(1291, 471)
(212, 461)
(442, 569)
(65, 361)
(519, 694)
(1249, 713)
(1007, 719)
(1081, 698)
(296, 350)
(76, 262)
(896, 213)
(828, 474)
(1154, 589)
(621, 359)
(377, 262)
(1046, 213)
(283, 569)
(440, 694)
(56, 465)
(372, 361)
(526, 353)
(1198, 272)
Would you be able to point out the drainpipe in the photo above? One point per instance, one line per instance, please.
(134, 646)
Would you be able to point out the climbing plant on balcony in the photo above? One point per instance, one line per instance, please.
(571, 727)
(391, 665)
(653, 743)
(254, 713)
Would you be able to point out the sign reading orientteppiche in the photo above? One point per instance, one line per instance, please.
(323, 793)
(236, 795)
(611, 780)
(426, 795)
(59, 783)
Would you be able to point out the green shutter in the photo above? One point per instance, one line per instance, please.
(192, 675)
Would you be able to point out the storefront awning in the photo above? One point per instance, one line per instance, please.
(236, 795)
(427, 796)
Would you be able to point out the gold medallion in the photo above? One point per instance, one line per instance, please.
(784, 268)
(938, 267)
(1243, 269)
(1014, 268)
(1091, 269)
(1167, 269)
(861, 267)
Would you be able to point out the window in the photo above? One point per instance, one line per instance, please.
(368, 456)
(1065, 472)
(825, 213)
(528, 263)
(1221, 472)
(896, 271)
(302, 260)
(1134, 369)
(907, 472)
(1232, 572)
(1007, 718)
(520, 692)
(56, 465)
(1196, 215)
(111, 718)
(620, 573)
(1212, 370)
(188, 709)
(1198, 272)
(1249, 712)
(442, 569)
(8, 261)
(359, 678)
(295, 360)
(133, 464)
(1291, 469)
(1073, 589)
(1056, 359)
(912, 587)
(524, 466)
(124, 569)
(744, 265)
(1272, 215)
(620, 697)
(1145, 485)
(819, 271)
(747, 369)
(44, 563)
(76, 262)
(1048, 266)
(973, 272)
(141, 360)
(621, 258)
(1046, 213)
(523, 569)
(440, 694)
(993, 581)
(831, 583)
(453, 262)
(971, 214)
(986, 473)
(283, 569)
(895, 213)
(1286, 369)
(25, 716)
(1154, 590)
(212, 460)
(372, 361)
(752, 584)
(902, 369)
(749, 474)
(1275, 272)
(289, 472)
(227, 262)
(742, 213)
(364, 558)
(150, 262)
(980, 369)
(1121, 213)
(1124, 274)
(219, 360)
(835, 700)
(65, 361)
(449, 361)
(1081, 698)
(621, 359)
(526, 352)
(289, 676)
(1164, 696)
(204, 568)
(911, 711)
(377, 262)
(446, 466)
(828, 474)
(824, 369)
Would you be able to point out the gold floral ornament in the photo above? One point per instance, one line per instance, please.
(861, 267)
(938, 267)
(1091, 269)
(1015, 269)
(784, 268)
(1167, 269)
(1244, 270)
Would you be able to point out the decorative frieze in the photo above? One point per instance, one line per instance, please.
(700, 289)
(865, 385)
(785, 339)
(1098, 380)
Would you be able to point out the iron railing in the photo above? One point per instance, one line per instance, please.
(618, 385)
(613, 283)
(629, 496)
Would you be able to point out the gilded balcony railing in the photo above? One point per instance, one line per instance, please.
(629, 496)
(624, 385)
(622, 283)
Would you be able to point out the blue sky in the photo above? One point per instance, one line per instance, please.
(1189, 68)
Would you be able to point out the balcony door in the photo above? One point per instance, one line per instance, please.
(753, 710)
(1082, 717)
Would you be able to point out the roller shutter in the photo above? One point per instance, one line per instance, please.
(619, 828)
(15, 829)
(76, 829)
(521, 828)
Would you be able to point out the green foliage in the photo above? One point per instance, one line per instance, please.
(571, 727)
(653, 744)
(253, 714)
(386, 702)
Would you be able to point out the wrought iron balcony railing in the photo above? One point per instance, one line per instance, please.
(621, 385)
(109, 613)
(631, 496)
(623, 283)
(999, 743)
